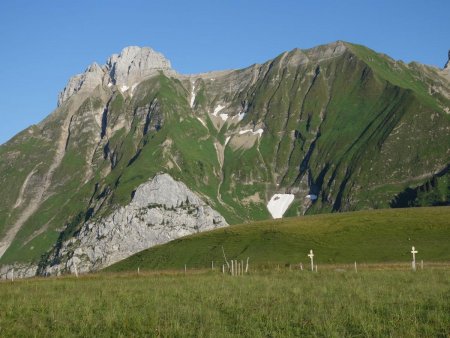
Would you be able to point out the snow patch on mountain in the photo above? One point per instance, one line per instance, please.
(218, 109)
(240, 116)
(258, 131)
(279, 203)
(192, 95)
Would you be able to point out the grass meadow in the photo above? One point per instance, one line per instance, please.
(377, 302)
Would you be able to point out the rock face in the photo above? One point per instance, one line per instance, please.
(17, 271)
(162, 209)
(91, 78)
(131, 66)
(134, 64)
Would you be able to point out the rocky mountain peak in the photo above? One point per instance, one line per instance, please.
(135, 63)
(327, 51)
(131, 66)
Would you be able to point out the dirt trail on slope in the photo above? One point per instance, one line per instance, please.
(220, 158)
(38, 197)
(19, 200)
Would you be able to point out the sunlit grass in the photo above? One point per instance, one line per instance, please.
(271, 304)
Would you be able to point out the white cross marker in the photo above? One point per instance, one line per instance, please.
(311, 256)
(414, 251)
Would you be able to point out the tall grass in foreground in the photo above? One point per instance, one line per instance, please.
(275, 304)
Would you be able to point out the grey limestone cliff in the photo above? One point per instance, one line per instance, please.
(134, 64)
(124, 70)
(91, 78)
(161, 210)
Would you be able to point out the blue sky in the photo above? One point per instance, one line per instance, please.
(44, 43)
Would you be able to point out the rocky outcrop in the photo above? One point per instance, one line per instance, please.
(325, 52)
(17, 271)
(124, 70)
(161, 210)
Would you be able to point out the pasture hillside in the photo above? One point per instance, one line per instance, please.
(376, 236)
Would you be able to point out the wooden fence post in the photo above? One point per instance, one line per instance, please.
(225, 258)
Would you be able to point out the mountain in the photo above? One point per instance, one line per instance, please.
(334, 128)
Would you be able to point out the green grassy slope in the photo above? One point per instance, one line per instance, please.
(26, 152)
(363, 236)
(356, 129)
(69, 194)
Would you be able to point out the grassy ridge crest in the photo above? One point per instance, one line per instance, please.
(374, 236)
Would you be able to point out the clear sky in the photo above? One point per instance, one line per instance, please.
(45, 42)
